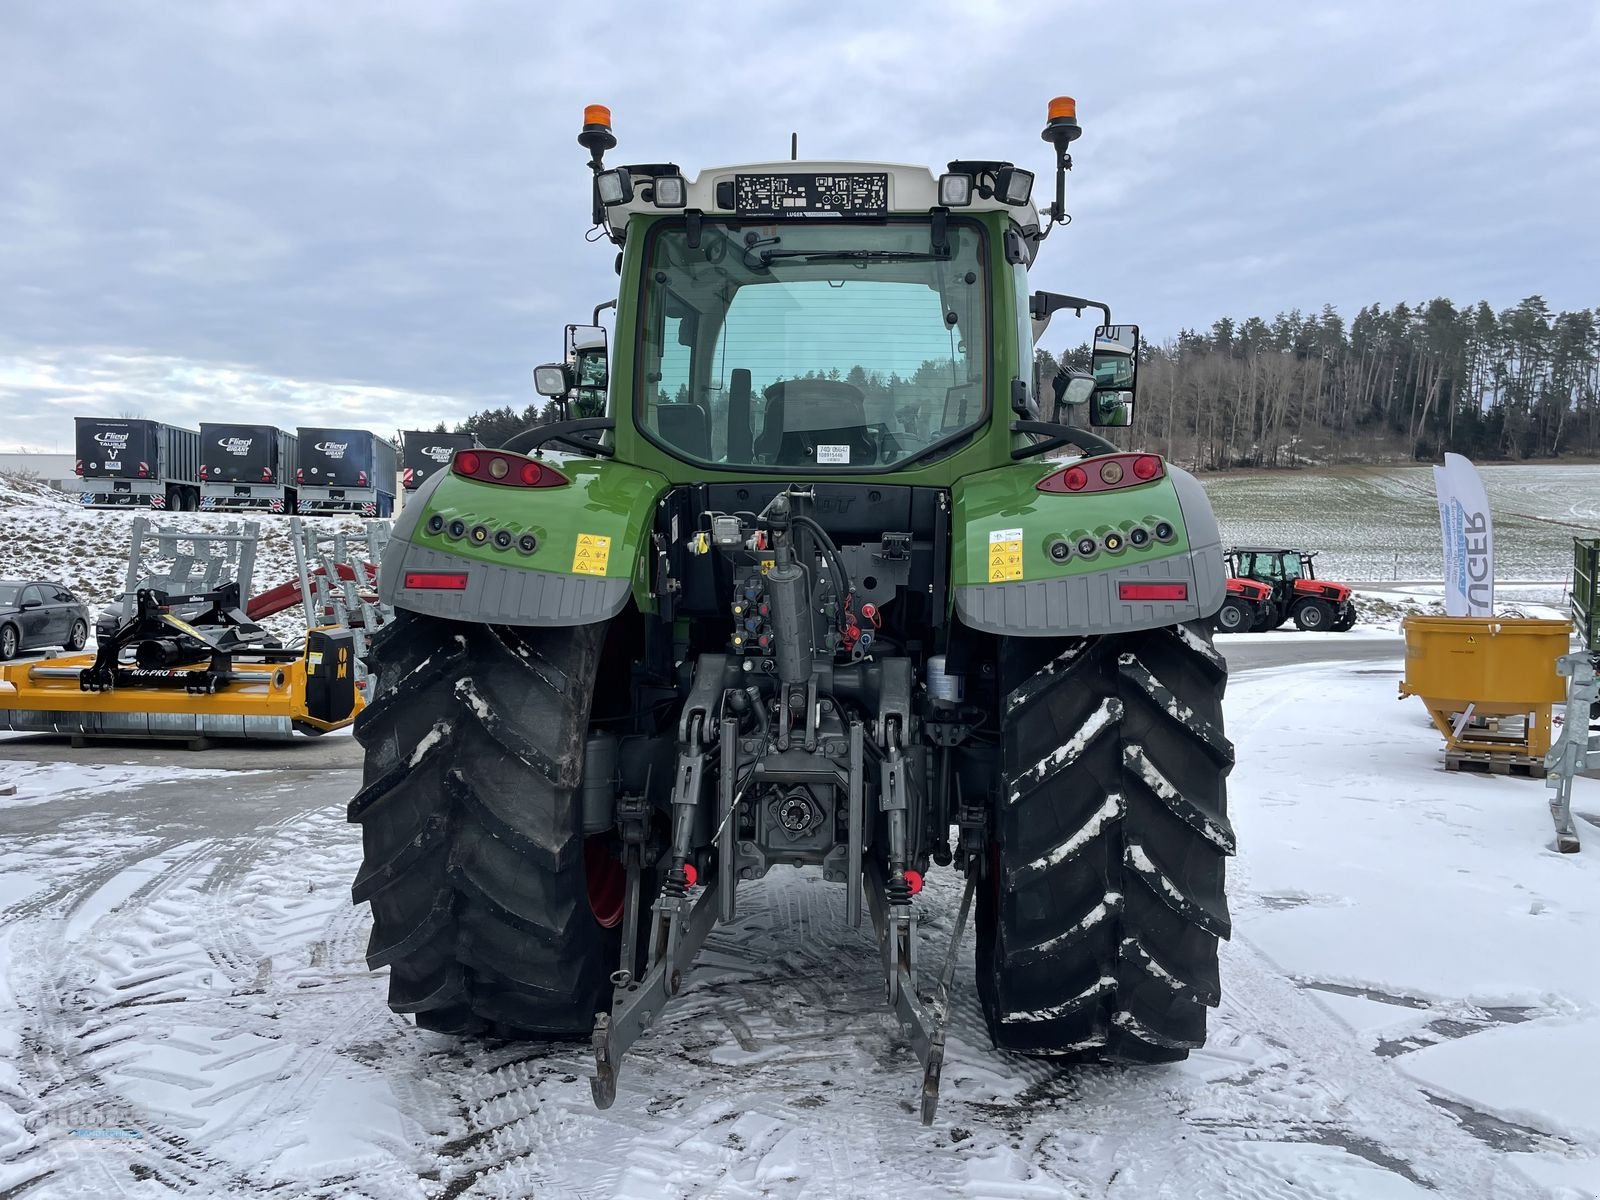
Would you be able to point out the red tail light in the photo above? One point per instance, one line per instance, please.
(1153, 591)
(77, 468)
(448, 581)
(203, 470)
(361, 479)
(266, 474)
(1104, 473)
(144, 470)
(299, 474)
(513, 470)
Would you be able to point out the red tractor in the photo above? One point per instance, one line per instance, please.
(1248, 607)
(1315, 604)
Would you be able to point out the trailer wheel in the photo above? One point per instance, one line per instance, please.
(1234, 616)
(1099, 920)
(1313, 616)
(480, 880)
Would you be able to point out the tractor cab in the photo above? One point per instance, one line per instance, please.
(1314, 604)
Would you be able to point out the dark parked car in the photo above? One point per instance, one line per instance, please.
(35, 614)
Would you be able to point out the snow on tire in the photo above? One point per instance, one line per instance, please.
(474, 855)
(1099, 921)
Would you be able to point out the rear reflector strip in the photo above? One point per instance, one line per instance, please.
(452, 582)
(1153, 591)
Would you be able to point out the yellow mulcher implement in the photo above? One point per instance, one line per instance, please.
(192, 665)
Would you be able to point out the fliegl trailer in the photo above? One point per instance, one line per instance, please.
(345, 471)
(136, 462)
(247, 467)
(423, 453)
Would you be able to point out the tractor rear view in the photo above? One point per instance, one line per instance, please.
(808, 581)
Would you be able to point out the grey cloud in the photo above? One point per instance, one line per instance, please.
(293, 203)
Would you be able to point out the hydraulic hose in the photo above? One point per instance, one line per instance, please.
(830, 552)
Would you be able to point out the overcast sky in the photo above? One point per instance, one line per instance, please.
(373, 214)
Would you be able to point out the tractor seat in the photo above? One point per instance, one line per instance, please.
(805, 414)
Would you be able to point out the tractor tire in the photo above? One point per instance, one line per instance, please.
(1314, 616)
(491, 911)
(1099, 919)
(1235, 616)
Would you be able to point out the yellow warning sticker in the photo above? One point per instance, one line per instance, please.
(592, 553)
(1005, 555)
(767, 564)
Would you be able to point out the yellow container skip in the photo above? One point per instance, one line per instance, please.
(1488, 682)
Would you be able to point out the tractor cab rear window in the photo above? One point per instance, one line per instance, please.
(832, 346)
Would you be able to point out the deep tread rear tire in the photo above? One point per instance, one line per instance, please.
(1099, 922)
(472, 827)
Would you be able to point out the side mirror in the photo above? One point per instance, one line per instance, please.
(27, 604)
(586, 350)
(552, 380)
(1115, 366)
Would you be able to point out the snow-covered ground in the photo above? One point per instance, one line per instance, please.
(1412, 1009)
(1382, 523)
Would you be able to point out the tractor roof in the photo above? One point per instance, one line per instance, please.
(911, 189)
(1271, 550)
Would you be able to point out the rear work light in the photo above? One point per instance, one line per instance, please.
(444, 581)
(511, 470)
(1152, 591)
(1104, 473)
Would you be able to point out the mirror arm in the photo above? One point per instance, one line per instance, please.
(1057, 436)
(1043, 304)
(600, 308)
(566, 432)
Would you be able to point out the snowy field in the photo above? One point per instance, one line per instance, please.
(1382, 523)
(1412, 1009)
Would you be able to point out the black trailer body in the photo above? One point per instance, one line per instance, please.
(345, 470)
(425, 453)
(247, 467)
(133, 461)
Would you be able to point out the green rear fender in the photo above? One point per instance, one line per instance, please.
(1036, 564)
(457, 550)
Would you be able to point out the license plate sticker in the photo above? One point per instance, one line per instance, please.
(833, 454)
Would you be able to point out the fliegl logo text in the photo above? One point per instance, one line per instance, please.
(236, 445)
(334, 450)
(439, 454)
(112, 442)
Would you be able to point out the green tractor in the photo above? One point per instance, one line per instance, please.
(804, 578)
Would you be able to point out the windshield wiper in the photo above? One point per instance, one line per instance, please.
(767, 256)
